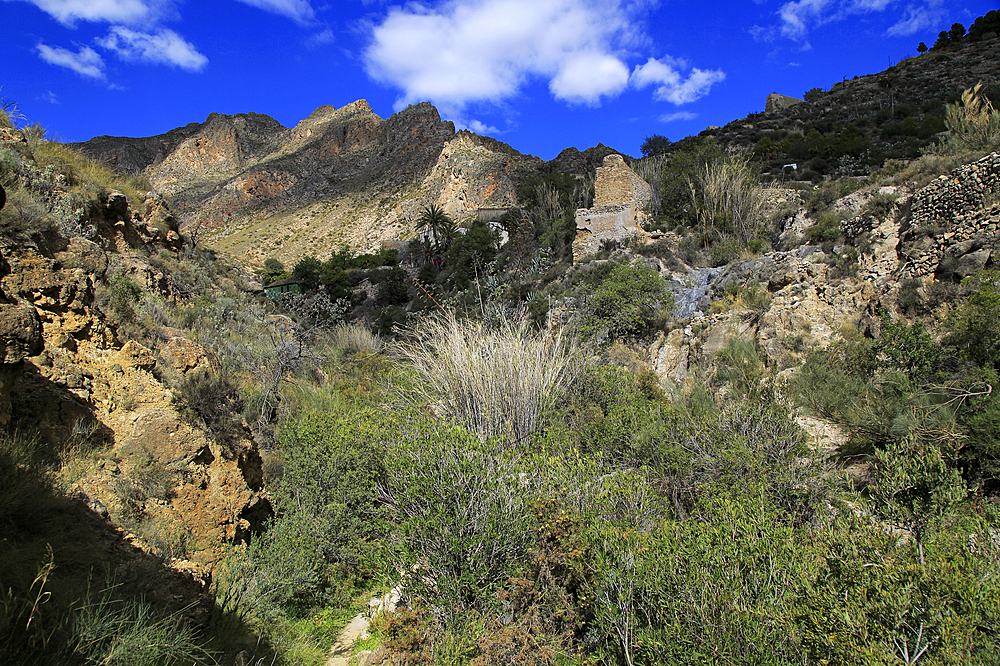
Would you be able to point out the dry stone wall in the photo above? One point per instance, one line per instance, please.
(952, 226)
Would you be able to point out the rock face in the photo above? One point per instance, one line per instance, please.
(66, 374)
(342, 176)
(776, 102)
(20, 337)
(620, 200)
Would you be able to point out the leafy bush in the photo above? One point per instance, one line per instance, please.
(463, 523)
(625, 302)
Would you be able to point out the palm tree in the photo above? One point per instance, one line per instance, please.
(437, 221)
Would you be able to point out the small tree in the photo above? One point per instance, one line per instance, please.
(921, 48)
(654, 145)
(274, 270)
(307, 272)
(914, 486)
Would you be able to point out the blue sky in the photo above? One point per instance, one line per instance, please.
(541, 75)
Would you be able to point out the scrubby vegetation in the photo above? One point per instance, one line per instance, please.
(471, 421)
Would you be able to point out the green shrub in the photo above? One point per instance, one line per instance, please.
(463, 522)
(626, 301)
(124, 294)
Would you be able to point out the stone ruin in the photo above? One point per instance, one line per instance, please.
(620, 201)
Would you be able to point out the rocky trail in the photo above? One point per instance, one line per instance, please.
(356, 629)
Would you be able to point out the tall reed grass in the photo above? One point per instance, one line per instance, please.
(497, 381)
(730, 197)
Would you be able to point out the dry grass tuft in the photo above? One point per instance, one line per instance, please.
(497, 381)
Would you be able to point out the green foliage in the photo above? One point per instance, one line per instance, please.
(671, 185)
(438, 223)
(655, 145)
(126, 633)
(393, 287)
(729, 197)
(975, 331)
(463, 524)
(813, 94)
(332, 464)
(124, 294)
(714, 589)
(468, 256)
(307, 273)
(986, 26)
(626, 301)
(274, 271)
(827, 227)
(913, 485)
(972, 122)
(873, 602)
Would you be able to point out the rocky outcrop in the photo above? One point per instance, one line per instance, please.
(66, 374)
(20, 337)
(946, 231)
(776, 102)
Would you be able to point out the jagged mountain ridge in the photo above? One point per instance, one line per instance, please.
(341, 176)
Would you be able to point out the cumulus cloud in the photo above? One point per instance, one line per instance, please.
(68, 12)
(164, 47)
(85, 62)
(485, 50)
(297, 10)
(480, 127)
(671, 85)
(586, 77)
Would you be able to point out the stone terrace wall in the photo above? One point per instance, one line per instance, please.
(952, 225)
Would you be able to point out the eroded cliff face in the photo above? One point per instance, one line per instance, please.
(67, 374)
(342, 176)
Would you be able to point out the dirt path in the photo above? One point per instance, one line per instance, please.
(340, 653)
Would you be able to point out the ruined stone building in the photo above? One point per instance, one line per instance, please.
(620, 200)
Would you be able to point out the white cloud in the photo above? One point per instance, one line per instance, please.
(130, 12)
(482, 128)
(917, 19)
(321, 38)
(679, 115)
(162, 47)
(297, 10)
(798, 17)
(671, 85)
(586, 77)
(85, 62)
(485, 50)
(49, 97)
